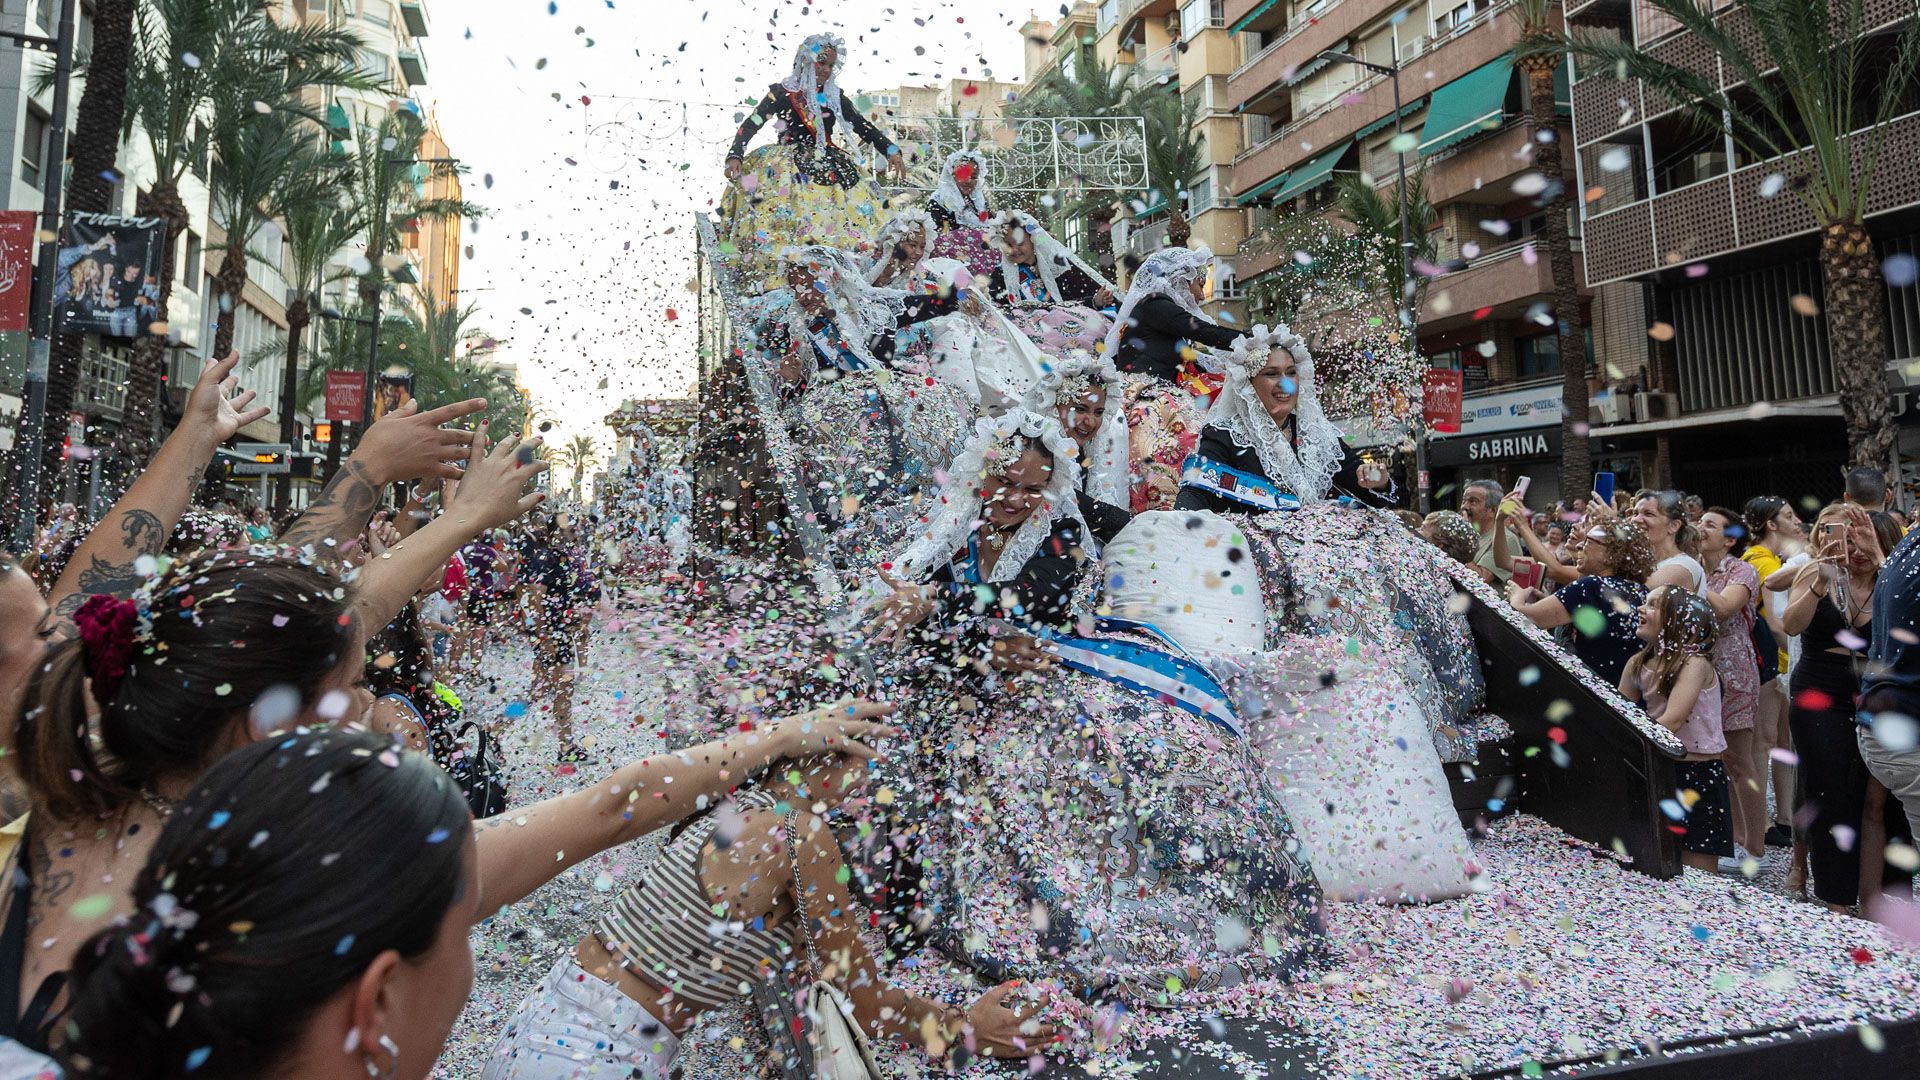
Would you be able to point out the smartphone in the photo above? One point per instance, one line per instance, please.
(1520, 488)
(1527, 572)
(1603, 487)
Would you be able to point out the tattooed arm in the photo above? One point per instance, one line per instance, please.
(139, 524)
(405, 444)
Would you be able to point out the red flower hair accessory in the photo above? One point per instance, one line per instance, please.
(107, 625)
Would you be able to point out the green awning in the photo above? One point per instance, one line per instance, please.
(1387, 121)
(1563, 89)
(339, 125)
(1247, 19)
(1261, 189)
(1467, 106)
(1312, 174)
(1300, 73)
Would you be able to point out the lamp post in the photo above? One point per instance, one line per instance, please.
(1392, 71)
(33, 393)
(335, 435)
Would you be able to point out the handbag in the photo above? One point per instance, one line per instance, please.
(478, 772)
(839, 1049)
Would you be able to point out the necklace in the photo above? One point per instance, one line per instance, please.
(157, 802)
(995, 538)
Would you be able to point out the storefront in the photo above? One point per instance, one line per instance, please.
(1503, 436)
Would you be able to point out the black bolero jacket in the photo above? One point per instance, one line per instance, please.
(1150, 344)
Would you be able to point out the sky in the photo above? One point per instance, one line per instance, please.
(594, 131)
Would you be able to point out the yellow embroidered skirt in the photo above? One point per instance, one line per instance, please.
(774, 205)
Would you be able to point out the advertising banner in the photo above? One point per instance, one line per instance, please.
(346, 395)
(16, 268)
(107, 276)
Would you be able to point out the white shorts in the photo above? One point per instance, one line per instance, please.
(577, 1026)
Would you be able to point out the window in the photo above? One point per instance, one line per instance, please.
(1229, 287)
(374, 64)
(316, 9)
(1200, 196)
(1450, 16)
(191, 250)
(1538, 357)
(1199, 15)
(33, 145)
(376, 12)
(1109, 14)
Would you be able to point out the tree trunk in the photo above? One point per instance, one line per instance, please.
(232, 281)
(299, 316)
(1576, 462)
(146, 375)
(1179, 229)
(1857, 331)
(94, 151)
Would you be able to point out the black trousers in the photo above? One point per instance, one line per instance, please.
(1832, 791)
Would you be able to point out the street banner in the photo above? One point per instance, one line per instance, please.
(1444, 393)
(16, 268)
(395, 390)
(107, 276)
(346, 395)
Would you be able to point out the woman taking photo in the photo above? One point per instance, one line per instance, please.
(1733, 589)
(1602, 603)
(1830, 608)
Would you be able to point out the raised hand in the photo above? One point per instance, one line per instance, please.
(407, 444)
(217, 405)
(492, 490)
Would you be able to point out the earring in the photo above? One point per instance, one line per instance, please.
(393, 1060)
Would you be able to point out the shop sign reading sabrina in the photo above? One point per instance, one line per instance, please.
(1508, 446)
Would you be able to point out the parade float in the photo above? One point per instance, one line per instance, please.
(1578, 947)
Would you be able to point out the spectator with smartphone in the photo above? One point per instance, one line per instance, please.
(1890, 692)
(1776, 547)
(1602, 602)
(1480, 503)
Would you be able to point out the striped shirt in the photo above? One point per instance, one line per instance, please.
(670, 933)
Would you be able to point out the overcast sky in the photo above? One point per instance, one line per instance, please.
(589, 244)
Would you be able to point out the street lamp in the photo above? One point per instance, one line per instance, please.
(1392, 71)
(33, 391)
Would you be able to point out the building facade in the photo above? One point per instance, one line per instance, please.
(1309, 117)
(1737, 394)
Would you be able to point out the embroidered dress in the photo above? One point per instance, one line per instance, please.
(805, 188)
(963, 218)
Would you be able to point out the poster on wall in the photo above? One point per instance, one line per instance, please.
(1444, 396)
(107, 277)
(16, 268)
(394, 390)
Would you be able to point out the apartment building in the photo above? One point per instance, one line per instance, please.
(1722, 248)
(1309, 117)
(433, 244)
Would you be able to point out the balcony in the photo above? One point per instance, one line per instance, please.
(1484, 169)
(1149, 238)
(1728, 213)
(414, 15)
(414, 67)
(1501, 283)
(1488, 37)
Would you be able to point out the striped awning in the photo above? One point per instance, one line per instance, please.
(1247, 19)
(1260, 189)
(1312, 174)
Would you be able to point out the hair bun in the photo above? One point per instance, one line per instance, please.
(119, 983)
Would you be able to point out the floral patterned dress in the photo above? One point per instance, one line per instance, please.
(1733, 658)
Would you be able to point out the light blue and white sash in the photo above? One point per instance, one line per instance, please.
(1230, 483)
(1164, 671)
(832, 350)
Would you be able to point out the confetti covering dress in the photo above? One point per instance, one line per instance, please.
(805, 188)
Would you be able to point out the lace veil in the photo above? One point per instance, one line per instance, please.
(819, 98)
(861, 311)
(1239, 412)
(966, 210)
(1049, 254)
(1169, 272)
(1071, 378)
(901, 225)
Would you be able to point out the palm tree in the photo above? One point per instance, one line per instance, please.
(316, 230)
(191, 59)
(1375, 217)
(263, 166)
(574, 457)
(1538, 55)
(385, 182)
(94, 152)
(1830, 81)
(1173, 154)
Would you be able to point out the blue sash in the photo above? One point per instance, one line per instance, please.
(1230, 483)
(831, 349)
(1165, 672)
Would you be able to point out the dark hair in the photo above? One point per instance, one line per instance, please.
(1759, 514)
(217, 632)
(399, 659)
(1866, 485)
(282, 874)
(1886, 529)
(1737, 535)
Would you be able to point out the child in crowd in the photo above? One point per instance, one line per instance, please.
(1674, 679)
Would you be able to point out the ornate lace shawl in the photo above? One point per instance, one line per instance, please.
(818, 98)
(861, 311)
(1239, 412)
(1049, 254)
